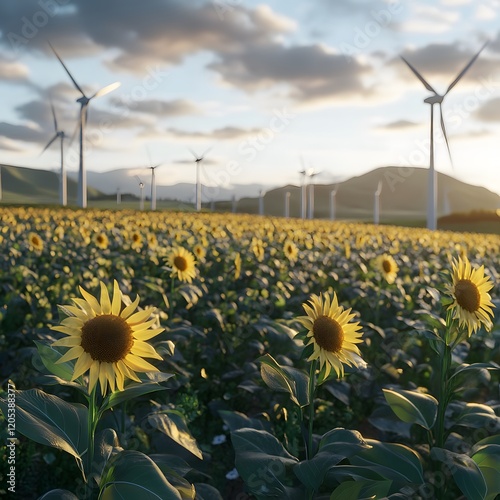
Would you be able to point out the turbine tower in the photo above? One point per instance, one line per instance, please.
(287, 204)
(141, 187)
(303, 192)
(333, 202)
(198, 160)
(311, 174)
(84, 102)
(376, 208)
(432, 100)
(63, 189)
(261, 202)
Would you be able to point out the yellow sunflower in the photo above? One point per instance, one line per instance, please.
(471, 300)
(237, 266)
(199, 251)
(182, 263)
(291, 251)
(331, 334)
(101, 240)
(35, 242)
(136, 240)
(107, 339)
(387, 267)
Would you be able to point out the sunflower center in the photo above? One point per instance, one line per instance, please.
(387, 266)
(100, 239)
(180, 263)
(468, 296)
(107, 338)
(328, 334)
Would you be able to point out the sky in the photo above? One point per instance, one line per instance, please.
(267, 87)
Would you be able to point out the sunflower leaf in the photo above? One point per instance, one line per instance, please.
(49, 357)
(49, 420)
(412, 407)
(131, 391)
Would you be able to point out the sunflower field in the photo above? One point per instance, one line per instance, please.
(163, 355)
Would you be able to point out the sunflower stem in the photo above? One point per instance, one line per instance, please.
(92, 424)
(171, 298)
(312, 390)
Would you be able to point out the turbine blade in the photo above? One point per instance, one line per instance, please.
(419, 76)
(194, 154)
(48, 144)
(73, 135)
(462, 73)
(206, 152)
(106, 90)
(67, 71)
(443, 128)
(54, 115)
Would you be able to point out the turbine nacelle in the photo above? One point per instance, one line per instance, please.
(434, 99)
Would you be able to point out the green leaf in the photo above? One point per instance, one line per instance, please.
(131, 474)
(392, 461)
(412, 407)
(131, 391)
(361, 490)
(206, 492)
(464, 367)
(172, 424)
(465, 471)
(49, 420)
(487, 457)
(262, 461)
(49, 355)
(58, 495)
(285, 379)
(478, 416)
(236, 420)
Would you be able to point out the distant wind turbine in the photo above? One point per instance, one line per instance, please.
(0, 182)
(63, 190)
(84, 102)
(287, 204)
(261, 202)
(118, 196)
(437, 99)
(376, 208)
(141, 187)
(303, 192)
(333, 202)
(311, 175)
(198, 160)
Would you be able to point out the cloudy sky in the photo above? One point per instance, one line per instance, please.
(259, 82)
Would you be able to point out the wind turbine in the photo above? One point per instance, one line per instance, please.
(261, 202)
(303, 193)
(141, 187)
(118, 196)
(0, 182)
(287, 204)
(153, 185)
(311, 174)
(437, 99)
(198, 160)
(63, 192)
(376, 208)
(84, 102)
(333, 202)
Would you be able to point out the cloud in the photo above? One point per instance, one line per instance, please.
(430, 19)
(310, 72)
(398, 125)
(12, 71)
(445, 61)
(159, 108)
(22, 133)
(228, 132)
(489, 111)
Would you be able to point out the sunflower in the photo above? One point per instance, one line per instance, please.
(106, 339)
(291, 251)
(35, 242)
(237, 266)
(101, 240)
(136, 240)
(182, 263)
(258, 249)
(199, 251)
(331, 334)
(471, 300)
(388, 267)
(152, 241)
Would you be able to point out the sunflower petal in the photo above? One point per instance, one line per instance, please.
(91, 301)
(117, 299)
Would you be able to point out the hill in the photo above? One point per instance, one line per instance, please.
(32, 186)
(403, 197)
